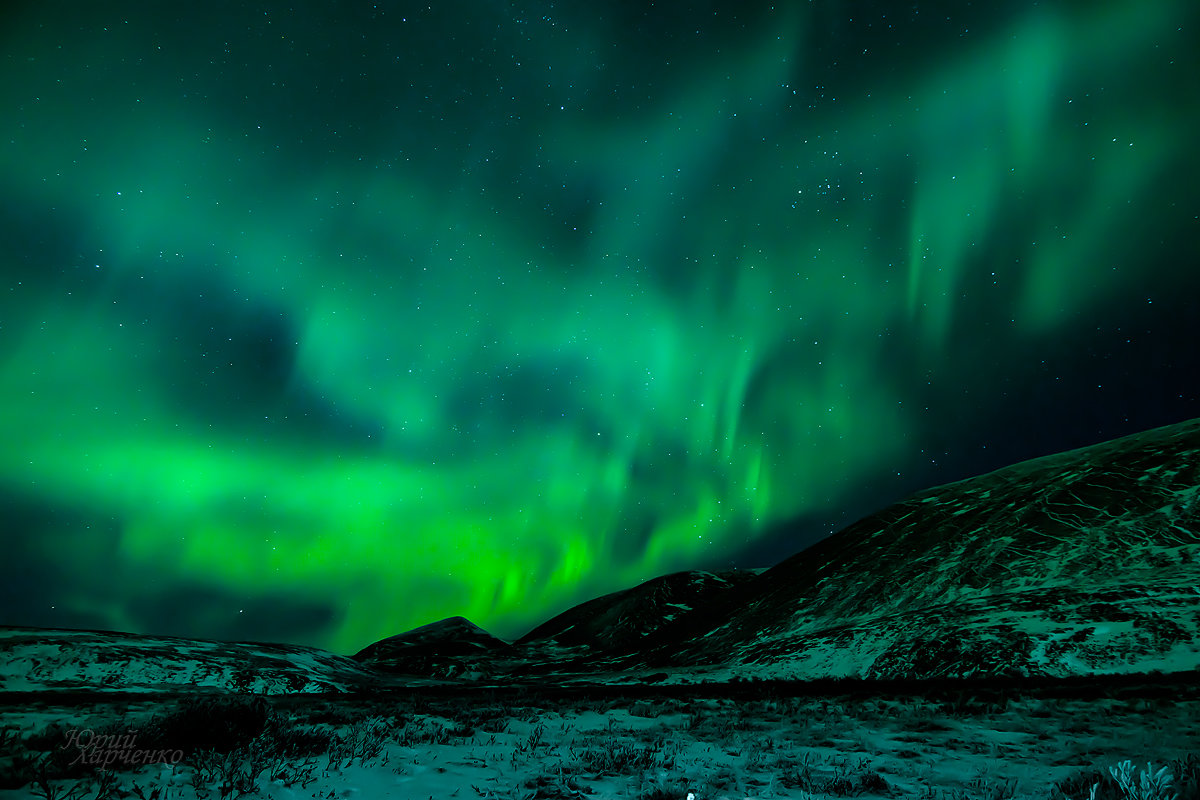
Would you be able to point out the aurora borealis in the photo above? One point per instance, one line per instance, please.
(317, 325)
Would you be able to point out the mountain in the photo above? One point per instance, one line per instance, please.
(1080, 563)
(1085, 562)
(587, 639)
(38, 659)
(452, 648)
(618, 622)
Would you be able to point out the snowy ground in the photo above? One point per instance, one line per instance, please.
(651, 748)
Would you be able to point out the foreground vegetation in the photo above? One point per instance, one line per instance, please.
(649, 748)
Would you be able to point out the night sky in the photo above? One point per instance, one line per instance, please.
(320, 324)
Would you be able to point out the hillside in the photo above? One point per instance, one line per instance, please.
(35, 659)
(1085, 562)
(451, 648)
(620, 620)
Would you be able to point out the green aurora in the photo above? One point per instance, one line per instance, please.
(317, 327)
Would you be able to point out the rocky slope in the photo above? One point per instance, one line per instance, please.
(618, 622)
(593, 637)
(1085, 562)
(1080, 563)
(452, 648)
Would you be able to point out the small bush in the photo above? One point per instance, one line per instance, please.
(669, 789)
(1124, 781)
(415, 734)
(102, 786)
(798, 775)
(494, 725)
(297, 741)
(645, 710)
(363, 742)
(490, 719)
(460, 730)
(847, 781)
(988, 790)
(1147, 784)
(555, 787)
(624, 758)
(1187, 776)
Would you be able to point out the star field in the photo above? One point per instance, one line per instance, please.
(319, 325)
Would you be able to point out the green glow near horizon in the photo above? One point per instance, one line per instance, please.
(536, 415)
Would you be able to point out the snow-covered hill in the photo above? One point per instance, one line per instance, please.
(34, 659)
(619, 621)
(1080, 563)
(585, 641)
(451, 648)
